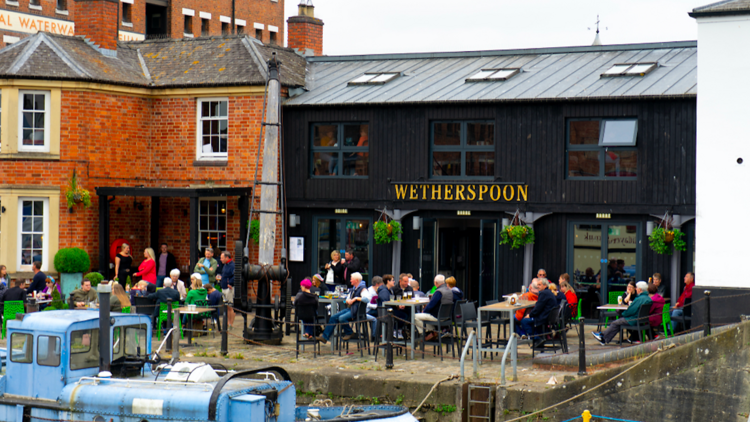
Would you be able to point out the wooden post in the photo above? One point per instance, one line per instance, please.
(169, 321)
(269, 192)
(176, 338)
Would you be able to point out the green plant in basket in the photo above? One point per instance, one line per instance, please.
(387, 232)
(664, 241)
(72, 260)
(76, 194)
(516, 236)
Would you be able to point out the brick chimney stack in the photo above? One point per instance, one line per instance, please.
(305, 31)
(96, 21)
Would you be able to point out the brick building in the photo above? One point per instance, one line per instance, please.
(149, 19)
(166, 130)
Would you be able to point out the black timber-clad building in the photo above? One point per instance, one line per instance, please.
(587, 143)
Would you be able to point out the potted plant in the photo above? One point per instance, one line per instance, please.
(664, 240)
(57, 302)
(517, 236)
(71, 263)
(94, 277)
(387, 232)
(76, 194)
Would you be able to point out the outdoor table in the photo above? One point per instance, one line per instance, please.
(335, 303)
(613, 307)
(511, 309)
(184, 310)
(511, 294)
(413, 303)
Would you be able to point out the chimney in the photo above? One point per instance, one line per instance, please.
(305, 31)
(96, 21)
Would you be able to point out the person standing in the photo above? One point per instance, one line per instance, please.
(147, 269)
(226, 280)
(206, 267)
(40, 279)
(123, 262)
(351, 265)
(166, 263)
(336, 268)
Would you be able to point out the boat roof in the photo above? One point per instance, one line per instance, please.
(60, 321)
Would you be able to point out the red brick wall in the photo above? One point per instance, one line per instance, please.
(137, 17)
(48, 10)
(306, 33)
(266, 12)
(97, 21)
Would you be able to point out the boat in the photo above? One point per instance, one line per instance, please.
(80, 365)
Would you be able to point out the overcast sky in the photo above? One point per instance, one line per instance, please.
(402, 26)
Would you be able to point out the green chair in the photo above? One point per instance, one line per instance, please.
(205, 315)
(666, 321)
(126, 309)
(12, 307)
(612, 301)
(163, 318)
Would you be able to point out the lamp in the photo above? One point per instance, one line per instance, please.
(649, 228)
(506, 222)
(415, 222)
(292, 220)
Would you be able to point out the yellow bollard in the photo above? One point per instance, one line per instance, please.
(586, 416)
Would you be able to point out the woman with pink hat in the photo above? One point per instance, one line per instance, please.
(306, 304)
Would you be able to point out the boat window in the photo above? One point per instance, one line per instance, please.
(84, 349)
(48, 350)
(135, 340)
(21, 348)
(116, 343)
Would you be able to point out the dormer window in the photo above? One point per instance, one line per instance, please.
(494, 75)
(629, 69)
(380, 78)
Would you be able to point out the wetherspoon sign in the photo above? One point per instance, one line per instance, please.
(473, 192)
(31, 24)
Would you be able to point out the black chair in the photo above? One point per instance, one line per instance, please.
(144, 305)
(683, 322)
(497, 319)
(641, 324)
(469, 320)
(361, 331)
(558, 340)
(301, 339)
(380, 340)
(444, 320)
(457, 318)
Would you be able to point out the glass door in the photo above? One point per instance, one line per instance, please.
(428, 251)
(488, 244)
(342, 234)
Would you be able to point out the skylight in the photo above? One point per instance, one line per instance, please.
(629, 69)
(379, 78)
(486, 75)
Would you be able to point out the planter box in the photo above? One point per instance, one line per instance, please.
(70, 282)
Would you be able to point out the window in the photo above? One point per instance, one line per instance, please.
(213, 124)
(240, 29)
(602, 148)
(463, 149)
(212, 229)
(34, 121)
(84, 349)
(48, 350)
(273, 38)
(204, 27)
(21, 348)
(34, 224)
(224, 28)
(134, 341)
(62, 5)
(493, 75)
(375, 78)
(188, 30)
(126, 12)
(259, 34)
(340, 149)
(629, 69)
(342, 234)
(34, 3)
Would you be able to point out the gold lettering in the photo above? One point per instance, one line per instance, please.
(33, 26)
(473, 194)
(492, 193)
(400, 191)
(24, 22)
(438, 191)
(505, 193)
(424, 192)
(54, 27)
(482, 191)
(46, 26)
(448, 192)
(413, 192)
(523, 190)
(460, 192)
(2, 19)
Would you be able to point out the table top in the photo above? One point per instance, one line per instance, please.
(613, 307)
(409, 302)
(333, 299)
(186, 310)
(507, 307)
(511, 294)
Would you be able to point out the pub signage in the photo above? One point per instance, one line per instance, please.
(473, 192)
(31, 24)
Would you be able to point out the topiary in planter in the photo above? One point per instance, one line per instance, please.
(94, 278)
(72, 260)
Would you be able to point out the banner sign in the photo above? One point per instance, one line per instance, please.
(472, 192)
(31, 24)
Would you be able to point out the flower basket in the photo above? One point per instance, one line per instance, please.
(665, 241)
(516, 236)
(387, 232)
(77, 195)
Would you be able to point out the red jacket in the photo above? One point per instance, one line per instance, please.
(686, 294)
(572, 299)
(147, 270)
(655, 313)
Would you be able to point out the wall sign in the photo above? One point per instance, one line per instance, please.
(31, 24)
(472, 192)
(296, 249)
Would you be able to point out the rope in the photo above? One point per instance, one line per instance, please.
(612, 419)
(431, 390)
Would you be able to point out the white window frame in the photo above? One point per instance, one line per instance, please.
(47, 120)
(217, 249)
(213, 156)
(45, 236)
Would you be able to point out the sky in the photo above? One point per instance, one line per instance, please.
(407, 26)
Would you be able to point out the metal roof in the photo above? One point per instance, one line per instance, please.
(569, 73)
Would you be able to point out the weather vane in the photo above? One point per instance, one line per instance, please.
(597, 41)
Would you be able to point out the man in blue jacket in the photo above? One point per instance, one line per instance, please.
(226, 281)
(353, 299)
(629, 316)
(533, 322)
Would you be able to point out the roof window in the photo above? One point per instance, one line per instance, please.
(379, 78)
(629, 69)
(490, 75)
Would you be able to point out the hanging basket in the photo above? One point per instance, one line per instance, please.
(669, 236)
(517, 236)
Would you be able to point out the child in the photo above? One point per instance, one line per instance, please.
(306, 304)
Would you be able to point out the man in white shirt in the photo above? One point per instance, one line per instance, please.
(370, 296)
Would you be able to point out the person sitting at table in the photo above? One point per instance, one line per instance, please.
(121, 295)
(318, 285)
(50, 285)
(370, 296)
(630, 293)
(686, 294)
(661, 287)
(570, 295)
(139, 290)
(177, 284)
(629, 316)
(558, 296)
(401, 312)
(384, 292)
(306, 307)
(533, 322)
(657, 307)
(83, 296)
(353, 299)
(197, 292)
(114, 301)
(443, 296)
(16, 292)
(162, 296)
(457, 293)
(215, 300)
(415, 288)
(531, 295)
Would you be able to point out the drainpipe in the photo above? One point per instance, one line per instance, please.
(105, 361)
(234, 24)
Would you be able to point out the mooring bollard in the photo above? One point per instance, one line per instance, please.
(581, 348)
(389, 339)
(707, 323)
(225, 330)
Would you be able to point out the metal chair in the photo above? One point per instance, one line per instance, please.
(361, 331)
(301, 339)
(469, 320)
(685, 320)
(144, 305)
(444, 320)
(498, 320)
(641, 324)
(163, 318)
(558, 340)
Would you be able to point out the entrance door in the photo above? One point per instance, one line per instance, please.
(428, 259)
(488, 244)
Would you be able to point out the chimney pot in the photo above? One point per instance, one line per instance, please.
(305, 31)
(97, 21)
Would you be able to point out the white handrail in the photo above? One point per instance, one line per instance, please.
(511, 345)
